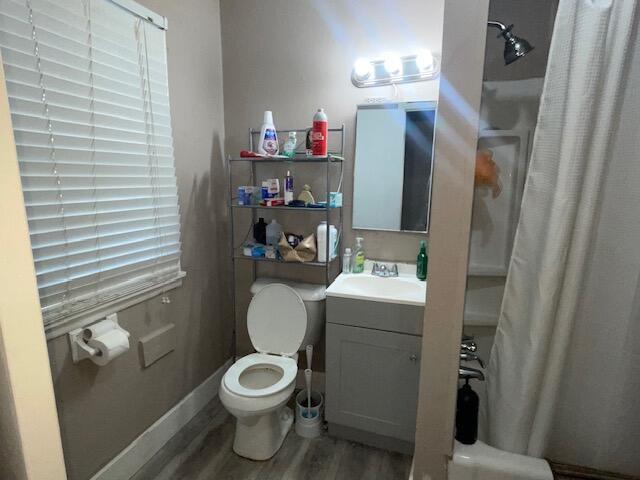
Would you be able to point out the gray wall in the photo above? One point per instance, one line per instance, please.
(103, 409)
(294, 57)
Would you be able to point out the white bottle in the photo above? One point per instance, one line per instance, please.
(346, 261)
(321, 234)
(274, 231)
(333, 235)
(268, 142)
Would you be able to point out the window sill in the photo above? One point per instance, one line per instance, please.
(92, 315)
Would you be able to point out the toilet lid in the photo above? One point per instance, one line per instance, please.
(277, 320)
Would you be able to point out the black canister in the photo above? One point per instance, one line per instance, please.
(467, 415)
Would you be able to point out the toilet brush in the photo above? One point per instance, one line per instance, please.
(309, 416)
(307, 377)
(309, 350)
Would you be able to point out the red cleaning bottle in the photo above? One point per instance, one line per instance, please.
(319, 133)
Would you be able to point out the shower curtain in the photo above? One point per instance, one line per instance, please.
(564, 372)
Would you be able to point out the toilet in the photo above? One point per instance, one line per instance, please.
(283, 318)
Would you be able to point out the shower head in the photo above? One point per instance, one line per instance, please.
(514, 47)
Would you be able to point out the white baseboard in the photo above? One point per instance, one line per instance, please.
(317, 381)
(142, 449)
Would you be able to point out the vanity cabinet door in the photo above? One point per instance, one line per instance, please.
(372, 380)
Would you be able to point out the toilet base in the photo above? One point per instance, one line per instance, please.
(260, 437)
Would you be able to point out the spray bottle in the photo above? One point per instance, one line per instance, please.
(319, 133)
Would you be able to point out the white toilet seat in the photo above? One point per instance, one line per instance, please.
(277, 320)
(287, 365)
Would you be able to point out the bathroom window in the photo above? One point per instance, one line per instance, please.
(89, 99)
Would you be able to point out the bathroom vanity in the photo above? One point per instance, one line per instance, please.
(373, 342)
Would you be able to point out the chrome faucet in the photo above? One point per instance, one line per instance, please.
(468, 345)
(468, 351)
(468, 372)
(471, 357)
(382, 270)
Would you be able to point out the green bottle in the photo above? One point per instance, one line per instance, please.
(421, 264)
(358, 257)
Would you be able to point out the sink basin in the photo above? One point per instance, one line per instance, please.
(404, 289)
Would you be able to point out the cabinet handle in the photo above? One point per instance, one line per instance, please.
(413, 358)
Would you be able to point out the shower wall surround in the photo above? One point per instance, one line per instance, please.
(124, 398)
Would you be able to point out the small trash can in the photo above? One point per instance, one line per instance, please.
(309, 420)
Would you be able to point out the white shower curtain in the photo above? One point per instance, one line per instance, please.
(564, 373)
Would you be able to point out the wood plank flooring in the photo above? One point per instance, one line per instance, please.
(202, 450)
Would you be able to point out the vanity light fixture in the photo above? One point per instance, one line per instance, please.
(393, 65)
(363, 69)
(425, 62)
(393, 69)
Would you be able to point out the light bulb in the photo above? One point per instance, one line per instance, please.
(363, 68)
(424, 61)
(393, 65)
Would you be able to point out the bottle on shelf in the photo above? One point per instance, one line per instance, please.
(260, 231)
(321, 235)
(274, 231)
(290, 145)
(288, 188)
(268, 142)
(358, 257)
(319, 133)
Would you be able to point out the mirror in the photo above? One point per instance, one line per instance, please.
(393, 166)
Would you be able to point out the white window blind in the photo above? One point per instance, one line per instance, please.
(89, 99)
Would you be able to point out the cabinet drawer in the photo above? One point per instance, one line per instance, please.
(372, 380)
(390, 317)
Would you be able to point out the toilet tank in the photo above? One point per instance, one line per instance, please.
(313, 296)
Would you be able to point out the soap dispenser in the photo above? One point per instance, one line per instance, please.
(358, 257)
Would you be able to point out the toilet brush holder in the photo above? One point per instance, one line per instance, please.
(309, 420)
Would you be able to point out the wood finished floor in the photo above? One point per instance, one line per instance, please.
(202, 451)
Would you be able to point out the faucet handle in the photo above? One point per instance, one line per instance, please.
(468, 372)
(468, 346)
(469, 357)
(394, 270)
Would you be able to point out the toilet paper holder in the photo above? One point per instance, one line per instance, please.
(79, 338)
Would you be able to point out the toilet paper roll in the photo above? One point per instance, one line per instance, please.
(98, 329)
(110, 345)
